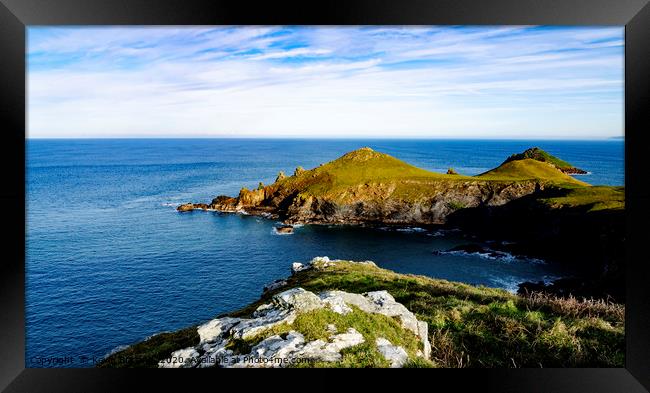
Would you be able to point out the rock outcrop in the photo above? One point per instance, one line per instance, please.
(219, 337)
(346, 191)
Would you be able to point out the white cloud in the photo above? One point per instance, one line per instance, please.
(339, 82)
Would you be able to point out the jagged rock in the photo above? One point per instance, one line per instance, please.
(379, 302)
(299, 170)
(330, 352)
(276, 347)
(248, 328)
(282, 350)
(183, 358)
(188, 207)
(385, 304)
(212, 330)
(284, 229)
(396, 355)
(298, 267)
(335, 303)
(281, 176)
(298, 299)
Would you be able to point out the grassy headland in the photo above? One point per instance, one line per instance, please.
(469, 326)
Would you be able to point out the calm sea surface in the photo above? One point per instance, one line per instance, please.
(110, 262)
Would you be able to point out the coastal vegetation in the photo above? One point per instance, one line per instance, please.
(468, 326)
(531, 200)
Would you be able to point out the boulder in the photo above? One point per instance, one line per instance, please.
(214, 329)
(297, 299)
(335, 303)
(396, 355)
(284, 229)
(186, 207)
(298, 267)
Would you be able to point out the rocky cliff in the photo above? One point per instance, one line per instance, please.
(365, 186)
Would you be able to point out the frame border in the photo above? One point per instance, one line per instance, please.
(17, 15)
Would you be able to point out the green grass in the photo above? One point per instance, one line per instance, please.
(367, 174)
(590, 198)
(313, 325)
(530, 169)
(538, 154)
(469, 326)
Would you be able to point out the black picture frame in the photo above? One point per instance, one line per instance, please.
(16, 15)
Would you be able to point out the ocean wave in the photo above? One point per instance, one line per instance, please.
(510, 283)
(491, 255)
(443, 232)
(411, 229)
(494, 255)
(116, 350)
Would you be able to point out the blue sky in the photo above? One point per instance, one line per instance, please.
(274, 81)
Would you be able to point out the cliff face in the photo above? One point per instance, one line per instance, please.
(367, 186)
(376, 202)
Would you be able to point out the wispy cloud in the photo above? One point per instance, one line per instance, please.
(432, 81)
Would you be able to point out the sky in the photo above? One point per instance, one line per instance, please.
(514, 82)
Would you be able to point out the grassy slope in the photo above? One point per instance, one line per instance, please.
(468, 326)
(529, 169)
(592, 199)
(368, 172)
(538, 154)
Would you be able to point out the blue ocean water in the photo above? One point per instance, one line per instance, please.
(109, 261)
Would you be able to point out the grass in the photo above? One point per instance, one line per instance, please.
(469, 326)
(590, 198)
(367, 174)
(530, 169)
(314, 326)
(538, 154)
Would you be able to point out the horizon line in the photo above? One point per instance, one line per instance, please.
(622, 137)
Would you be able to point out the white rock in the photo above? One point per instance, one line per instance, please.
(396, 355)
(353, 299)
(212, 330)
(216, 355)
(183, 358)
(423, 332)
(387, 305)
(335, 303)
(345, 340)
(320, 260)
(277, 350)
(297, 299)
(298, 267)
(331, 328)
(318, 351)
(249, 328)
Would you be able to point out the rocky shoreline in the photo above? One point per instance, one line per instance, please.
(522, 200)
(339, 313)
(226, 342)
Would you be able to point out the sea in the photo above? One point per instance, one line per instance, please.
(109, 261)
